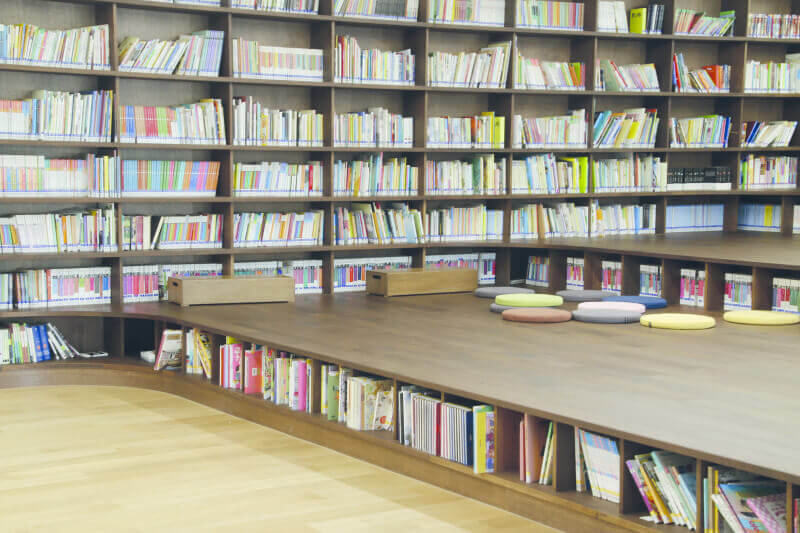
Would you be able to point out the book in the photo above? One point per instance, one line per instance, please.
(488, 67)
(84, 48)
(257, 125)
(770, 510)
(767, 172)
(564, 219)
(618, 219)
(478, 131)
(475, 223)
(710, 131)
(47, 116)
(563, 131)
(538, 271)
(201, 122)
(170, 349)
(277, 229)
(198, 54)
(372, 175)
(59, 287)
(376, 127)
(773, 25)
(611, 77)
(736, 495)
(484, 450)
(548, 174)
(372, 224)
(632, 128)
(253, 381)
(691, 22)
(534, 74)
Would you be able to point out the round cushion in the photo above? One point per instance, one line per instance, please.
(677, 321)
(606, 316)
(581, 295)
(494, 308)
(650, 302)
(612, 306)
(761, 318)
(536, 315)
(529, 300)
(491, 292)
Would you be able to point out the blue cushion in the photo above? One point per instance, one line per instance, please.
(650, 302)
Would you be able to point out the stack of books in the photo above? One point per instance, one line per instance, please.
(597, 460)
(699, 179)
(536, 450)
(761, 134)
(277, 229)
(710, 131)
(253, 60)
(284, 6)
(34, 343)
(78, 48)
(532, 74)
(691, 22)
(148, 178)
(472, 12)
(372, 224)
(786, 295)
(525, 223)
(59, 287)
(350, 274)
(565, 220)
(371, 175)
(563, 131)
(773, 26)
(47, 116)
(620, 219)
(694, 217)
(544, 174)
(708, 79)
(667, 485)
(480, 174)
(772, 77)
(738, 291)
(198, 123)
(487, 67)
(254, 125)
(277, 178)
(198, 54)
(405, 10)
(140, 283)
(574, 276)
(608, 76)
(611, 277)
(538, 271)
(632, 173)
(37, 176)
(479, 131)
(376, 127)
(550, 15)
(650, 280)
(93, 230)
(631, 128)
(467, 224)
(767, 172)
(693, 287)
(611, 17)
(354, 65)
(484, 262)
(759, 217)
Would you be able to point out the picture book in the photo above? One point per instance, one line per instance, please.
(252, 371)
(170, 350)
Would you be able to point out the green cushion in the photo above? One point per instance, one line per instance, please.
(677, 321)
(529, 300)
(761, 318)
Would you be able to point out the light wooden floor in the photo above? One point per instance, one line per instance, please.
(122, 459)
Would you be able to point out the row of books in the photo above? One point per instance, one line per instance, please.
(202, 122)
(619, 219)
(759, 217)
(760, 134)
(693, 287)
(611, 18)
(611, 277)
(650, 280)
(565, 219)
(691, 22)
(167, 178)
(354, 65)
(563, 131)
(610, 77)
(699, 179)
(487, 67)
(694, 217)
(538, 271)
(351, 274)
(277, 178)
(666, 482)
(34, 343)
(738, 291)
(550, 15)
(75, 48)
(454, 224)
(597, 465)
(373, 224)
(773, 26)
(253, 60)
(376, 127)
(710, 131)
(786, 295)
(38, 176)
(484, 262)
(284, 6)
(533, 74)
(278, 229)
(256, 125)
(574, 274)
(707, 79)
(480, 174)
(405, 10)
(58, 116)
(198, 54)
(472, 12)
(93, 230)
(631, 128)
(172, 232)
(631, 173)
(59, 287)
(771, 77)
(371, 175)
(479, 131)
(546, 174)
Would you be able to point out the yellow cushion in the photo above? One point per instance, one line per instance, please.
(528, 300)
(761, 318)
(677, 321)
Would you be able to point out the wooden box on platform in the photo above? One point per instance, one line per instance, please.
(411, 281)
(230, 290)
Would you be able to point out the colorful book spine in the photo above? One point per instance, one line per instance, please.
(403, 10)
(350, 275)
(632, 173)
(373, 224)
(631, 128)
(57, 116)
(78, 48)
(575, 270)
(93, 230)
(786, 295)
(371, 175)
(617, 219)
(487, 67)
(611, 277)
(146, 178)
(546, 174)
(479, 175)
(759, 217)
(610, 77)
(564, 131)
(254, 60)
(467, 224)
(307, 274)
(140, 283)
(693, 287)
(538, 271)
(760, 134)
(525, 223)
(36, 176)
(650, 280)
(534, 74)
(198, 123)
(485, 263)
(255, 125)
(771, 77)
(480, 131)
(767, 172)
(354, 65)
(471, 12)
(34, 343)
(198, 54)
(773, 26)
(59, 287)
(710, 131)
(278, 179)
(377, 127)
(738, 291)
(188, 232)
(550, 15)
(708, 79)
(691, 22)
(272, 229)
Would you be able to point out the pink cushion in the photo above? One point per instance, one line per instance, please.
(537, 315)
(613, 306)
